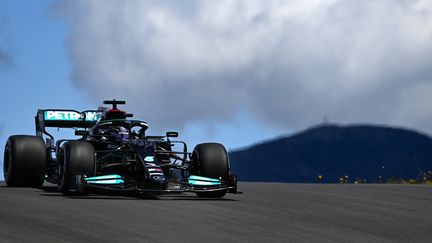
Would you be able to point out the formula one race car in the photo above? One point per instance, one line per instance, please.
(114, 153)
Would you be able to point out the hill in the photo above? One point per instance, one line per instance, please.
(363, 152)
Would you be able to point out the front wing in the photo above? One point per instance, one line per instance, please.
(118, 185)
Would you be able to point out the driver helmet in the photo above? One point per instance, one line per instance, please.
(119, 134)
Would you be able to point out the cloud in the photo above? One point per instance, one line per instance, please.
(286, 62)
(6, 59)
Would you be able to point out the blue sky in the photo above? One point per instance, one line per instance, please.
(38, 70)
(37, 75)
(236, 72)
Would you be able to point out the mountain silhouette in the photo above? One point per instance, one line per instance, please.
(361, 152)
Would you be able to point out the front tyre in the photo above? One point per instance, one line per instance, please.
(211, 160)
(78, 159)
(24, 161)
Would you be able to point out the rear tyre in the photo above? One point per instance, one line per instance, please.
(78, 159)
(211, 160)
(24, 161)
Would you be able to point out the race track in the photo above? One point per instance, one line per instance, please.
(266, 212)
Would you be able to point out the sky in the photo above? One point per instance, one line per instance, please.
(230, 71)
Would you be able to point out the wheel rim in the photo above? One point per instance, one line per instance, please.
(61, 177)
(6, 164)
(61, 173)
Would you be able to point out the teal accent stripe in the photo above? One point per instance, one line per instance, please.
(203, 183)
(202, 178)
(104, 177)
(118, 181)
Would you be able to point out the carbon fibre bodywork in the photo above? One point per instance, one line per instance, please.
(126, 159)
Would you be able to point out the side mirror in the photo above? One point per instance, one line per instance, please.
(81, 133)
(172, 134)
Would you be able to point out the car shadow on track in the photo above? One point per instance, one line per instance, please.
(195, 198)
(52, 191)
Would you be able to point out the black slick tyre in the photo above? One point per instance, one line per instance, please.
(78, 158)
(211, 160)
(24, 161)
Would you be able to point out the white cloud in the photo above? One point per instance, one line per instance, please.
(287, 62)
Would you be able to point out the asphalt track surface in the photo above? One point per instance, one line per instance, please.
(266, 212)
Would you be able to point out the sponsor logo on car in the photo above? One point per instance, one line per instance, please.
(159, 178)
(70, 116)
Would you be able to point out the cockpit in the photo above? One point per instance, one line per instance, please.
(119, 130)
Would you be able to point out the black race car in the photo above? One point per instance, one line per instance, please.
(113, 153)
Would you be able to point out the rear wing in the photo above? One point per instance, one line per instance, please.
(61, 118)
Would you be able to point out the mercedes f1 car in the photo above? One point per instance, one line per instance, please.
(114, 153)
